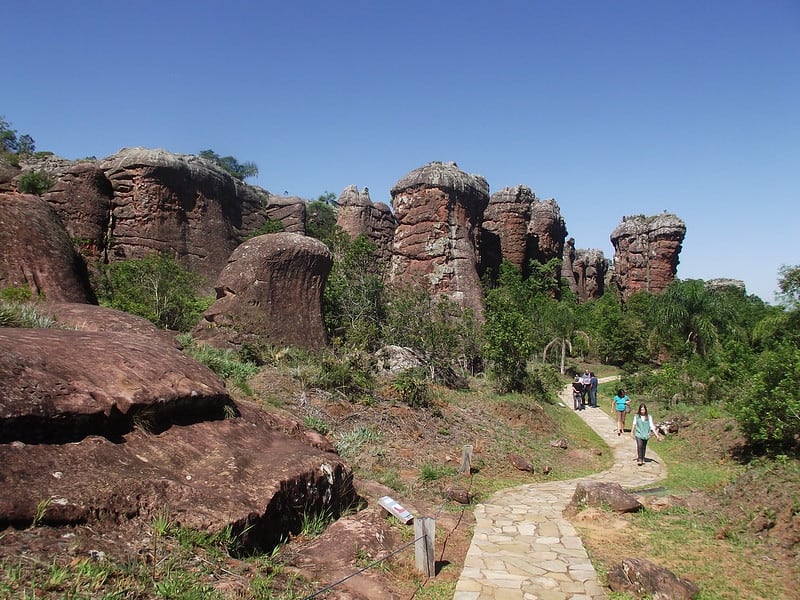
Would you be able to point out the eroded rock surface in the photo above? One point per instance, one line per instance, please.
(439, 210)
(36, 252)
(179, 204)
(359, 215)
(646, 252)
(134, 429)
(270, 292)
(504, 232)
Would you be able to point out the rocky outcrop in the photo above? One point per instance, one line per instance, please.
(585, 271)
(646, 252)
(136, 429)
(36, 252)
(504, 232)
(547, 230)
(358, 215)
(439, 210)
(83, 198)
(725, 283)
(290, 211)
(181, 205)
(270, 292)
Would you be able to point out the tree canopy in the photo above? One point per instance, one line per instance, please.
(239, 170)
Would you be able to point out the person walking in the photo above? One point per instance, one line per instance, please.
(593, 383)
(621, 404)
(586, 382)
(641, 428)
(577, 394)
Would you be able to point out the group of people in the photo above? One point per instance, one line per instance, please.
(584, 393)
(584, 390)
(642, 426)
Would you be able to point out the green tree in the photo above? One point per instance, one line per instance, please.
(157, 288)
(789, 286)
(10, 143)
(689, 317)
(239, 170)
(320, 221)
(352, 298)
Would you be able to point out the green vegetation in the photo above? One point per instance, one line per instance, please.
(34, 182)
(239, 170)
(13, 145)
(157, 288)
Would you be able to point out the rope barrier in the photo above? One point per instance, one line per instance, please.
(447, 496)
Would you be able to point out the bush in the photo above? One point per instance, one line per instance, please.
(34, 182)
(412, 387)
(157, 288)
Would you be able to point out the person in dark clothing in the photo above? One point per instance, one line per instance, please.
(593, 383)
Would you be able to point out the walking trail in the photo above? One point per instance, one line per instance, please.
(523, 548)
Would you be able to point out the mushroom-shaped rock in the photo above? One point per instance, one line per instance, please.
(270, 292)
(439, 209)
(646, 252)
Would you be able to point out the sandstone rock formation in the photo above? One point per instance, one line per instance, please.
(358, 215)
(270, 292)
(547, 230)
(439, 210)
(290, 211)
(181, 205)
(643, 578)
(584, 270)
(37, 253)
(83, 198)
(504, 233)
(646, 252)
(135, 428)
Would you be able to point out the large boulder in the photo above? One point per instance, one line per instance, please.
(359, 215)
(646, 252)
(270, 292)
(136, 429)
(36, 252)
(601, 494)
(181, 205)
(289, 210)
(439, 210)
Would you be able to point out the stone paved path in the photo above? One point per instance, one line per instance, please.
(523, 548)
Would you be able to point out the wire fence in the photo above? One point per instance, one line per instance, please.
(398, 550)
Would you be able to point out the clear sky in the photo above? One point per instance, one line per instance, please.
(612, 107)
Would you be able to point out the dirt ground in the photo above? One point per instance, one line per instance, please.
(414, 455)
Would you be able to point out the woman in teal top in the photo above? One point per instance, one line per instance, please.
(621, 404)
(641, 428)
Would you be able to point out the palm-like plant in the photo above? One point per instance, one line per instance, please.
(693, 313)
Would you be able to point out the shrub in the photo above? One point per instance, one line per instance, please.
(34, 182)
(157, 288)
(269, 226)
(412, 387)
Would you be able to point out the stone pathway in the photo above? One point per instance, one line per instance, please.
(523, 548)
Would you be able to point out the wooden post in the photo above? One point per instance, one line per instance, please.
(425, 534)
(466, 460)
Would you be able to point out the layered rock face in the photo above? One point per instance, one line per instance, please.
(270, 292)
(584, 270)
(36, 252)
(290, 211)
(181, 205)
(83, 197)
(547, 231)
(358, 215)
(135, 428)
(646, 252)
(439, 210)
(504, 233)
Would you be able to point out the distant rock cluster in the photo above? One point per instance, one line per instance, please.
(443, 230)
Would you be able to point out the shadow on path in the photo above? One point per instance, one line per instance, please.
(523, 548)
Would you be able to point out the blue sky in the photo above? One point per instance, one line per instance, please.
(612, 107)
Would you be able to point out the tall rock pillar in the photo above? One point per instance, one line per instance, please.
(439, 210)
(646, 253)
